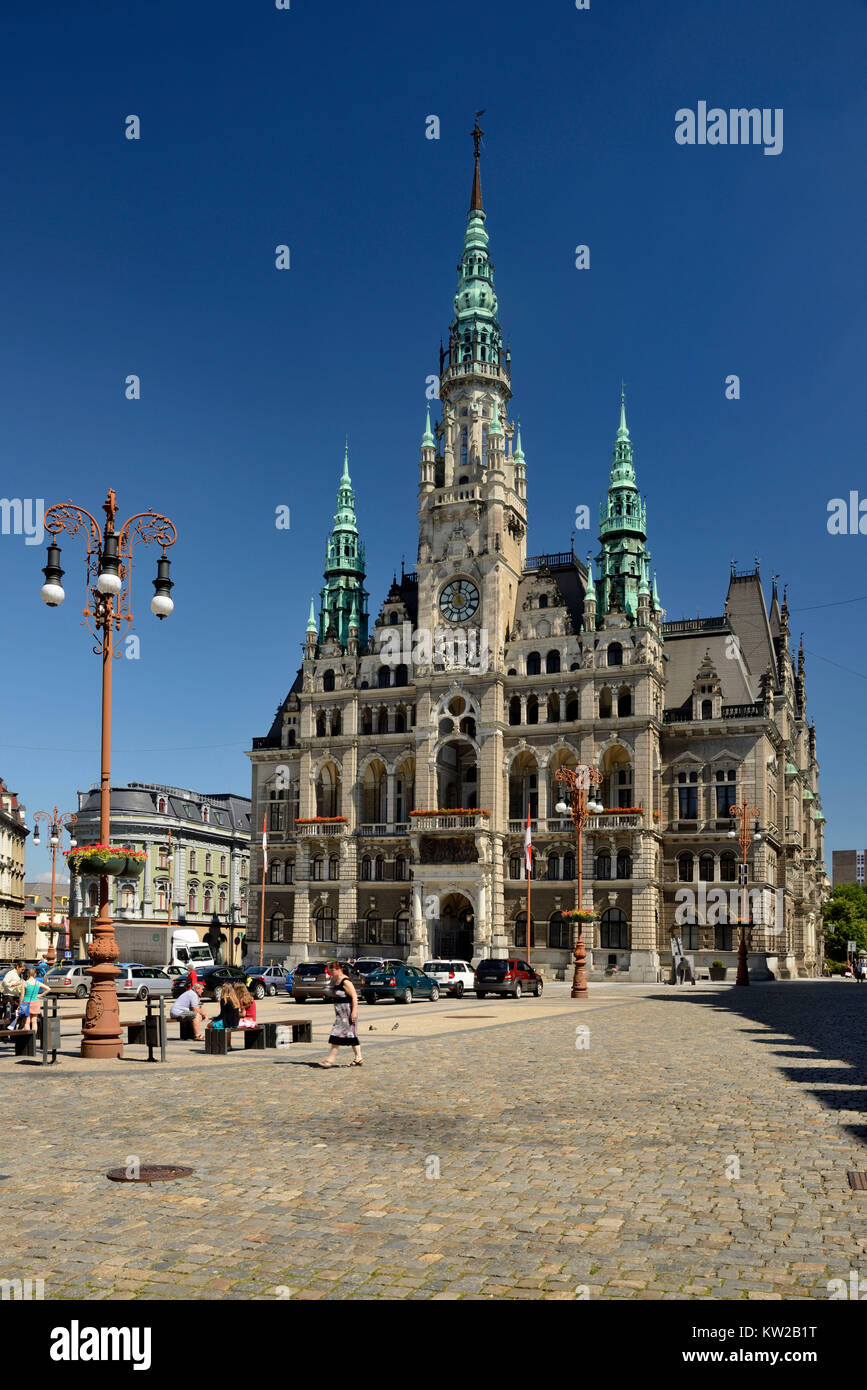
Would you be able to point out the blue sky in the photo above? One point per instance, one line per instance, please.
(307, 127)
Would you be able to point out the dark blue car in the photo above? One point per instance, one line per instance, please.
(401, 982)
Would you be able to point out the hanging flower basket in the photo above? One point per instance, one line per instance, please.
(98, 859)
(135, 863)
(580, 914)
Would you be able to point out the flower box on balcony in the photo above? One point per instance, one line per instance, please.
(320, 820)
(450, 811)
(582, 914)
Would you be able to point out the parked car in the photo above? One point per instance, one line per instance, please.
(399, 981)
(173, 971)
(142, 981)
(512, 976)
(312, 980)
(272, 976)
(70, 979)
(215, 976)
(365, 965)
(452, 976)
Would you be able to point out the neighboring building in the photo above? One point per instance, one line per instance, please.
(13, 838)
(847, 866)
(399, 770)
(37, 916)
(205, 879)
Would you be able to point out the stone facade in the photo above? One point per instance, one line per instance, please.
(398, 773)
(13, 839)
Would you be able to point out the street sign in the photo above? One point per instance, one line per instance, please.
(155, 936)
(851, 947)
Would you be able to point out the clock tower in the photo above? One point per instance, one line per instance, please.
(472, 487)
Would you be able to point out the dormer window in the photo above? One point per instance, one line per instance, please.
(205, 814)
(161, 804)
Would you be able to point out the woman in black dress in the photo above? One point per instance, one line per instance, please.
(345, 1030)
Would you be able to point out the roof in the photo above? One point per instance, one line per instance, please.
(141, 798)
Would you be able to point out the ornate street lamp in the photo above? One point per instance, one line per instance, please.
(107, 610)
(579, 803)
(744, 813)
(56, 825)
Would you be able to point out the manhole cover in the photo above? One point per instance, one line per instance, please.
(858, 1180)
(150, 1172)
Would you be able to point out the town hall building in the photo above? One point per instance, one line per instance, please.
(399, 771)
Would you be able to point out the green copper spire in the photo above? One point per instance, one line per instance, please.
(622, 529)
(427, 439)
(495, 427)
(656, 602)
(344, 568)
(518, 452)
(590, 591)
(475, 334)
(311, 621)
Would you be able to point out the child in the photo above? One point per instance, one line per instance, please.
(30, 1007)
(247, 1006)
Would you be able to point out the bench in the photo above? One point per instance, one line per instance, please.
(25, 1040)
(263, 1035)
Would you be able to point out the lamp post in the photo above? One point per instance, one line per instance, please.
(107, 611)
(55, 824)
(745, 837)
(579, 804)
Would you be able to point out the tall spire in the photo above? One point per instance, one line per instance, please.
(427, 439)
(311, 621)
(622, 529)
(476, 199)
(344, 567)
(476, 335)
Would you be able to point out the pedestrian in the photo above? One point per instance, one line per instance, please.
(11, 991)
(344, 1033)
(31, 1002)
(230, 1012)
(247, 1007)
(188, 1006)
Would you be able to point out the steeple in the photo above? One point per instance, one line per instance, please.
(623, 529)
(344, 568)
(427, 439)
(476, 335)
(476, 199)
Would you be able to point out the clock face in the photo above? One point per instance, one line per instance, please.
(459, 600)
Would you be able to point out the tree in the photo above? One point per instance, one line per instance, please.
(845, 919)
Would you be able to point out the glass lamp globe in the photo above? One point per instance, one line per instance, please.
(36, 839)
(52, 594)
(733, 834)
(108, 583)
(72, 842)
(162, 605)
(54, 842)
(561, 808)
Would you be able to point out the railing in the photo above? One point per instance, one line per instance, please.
(694, 625)
(268, 741)
(476, 821)
(753, 711)
(334, 828)
(553, 825)
(618, 820)
(556, 560)
(471, 492)
(382, 830)
(457, 369)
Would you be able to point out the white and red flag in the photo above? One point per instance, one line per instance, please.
(528, 847)
(264, 847)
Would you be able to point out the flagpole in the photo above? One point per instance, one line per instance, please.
(262, 904)
(529, 856)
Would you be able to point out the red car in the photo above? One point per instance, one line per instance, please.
(513, 976)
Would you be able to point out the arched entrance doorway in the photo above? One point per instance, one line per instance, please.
(453, 930)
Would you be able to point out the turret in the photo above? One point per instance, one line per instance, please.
(310, 641)
(622, 530)
(589, 623)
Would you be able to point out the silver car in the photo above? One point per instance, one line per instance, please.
(69, 979)
(143, 982)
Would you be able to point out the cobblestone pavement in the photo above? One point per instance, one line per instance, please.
(606, 1171)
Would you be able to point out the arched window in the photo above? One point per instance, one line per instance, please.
(208, 902)
(93, 896)
(290, 740)
(521, 931)
(553, 865)
(605, 705)
(320, 726)
(316, 867)
(335, 721)
(194, 861)
(553, 708)
(624, 864)
(727, 868)
(383, 678)
(543, 600)
(379, 868)
(603, 864)
(571, 708)
(365, 868)
(333, 867)
(515, 866)
(559, 934)
(193, 901)
(274, 871)
(534, 664)
(382, 721)
(161, 804)
(276, 926)
(287, 871)
(569, 864)
(367, 721)
(400, 721)
(222, 901)
(615, 654)
(209, 860)
(328, 680)
(614, 930)
(515, 710)
(326, 927)
(707, 709)
(624, 701)
(532, 710)
(372, 929)
(162, 898)
(685, 868)
(552, 663)
(401, 675)
(705, 868)
(401, 929)
(400, 869)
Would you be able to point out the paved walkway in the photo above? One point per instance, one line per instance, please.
(472, 1156)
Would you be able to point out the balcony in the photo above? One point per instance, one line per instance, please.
(321, 829)
(617, 820)
(382, 831)
(448, 820)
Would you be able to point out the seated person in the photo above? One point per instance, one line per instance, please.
(188, 1006)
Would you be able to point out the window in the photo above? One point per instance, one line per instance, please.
(558, 933)
(603, 865)
(277, 926)
(624, 702)
(367, 721)
(316, 868)
(163, 857)
(401, 929)
(727, 868)
(208, 863)
(365, 868)
(605, 704)
(372, 930)
(328, 681)
(707, 709)
(515, 710)
(161, 804)
(379, 868)
(552, 663)
(685, 868)
(276, 813)
(326, 927)
(722, 937)
(569, 865)
(687, 795)
(624, 864)
(690, 938)
(521, 932)
(222, 901)
(401, 675)
(333, 867)
(193, 901)
(274, 871)
(162, 899)
(127, 899)
(193, 861)
(543, 600)
(515, 866)
(224, 865)
(532, 710)
(208, 901)
(534, 664)
(571, 708)
(614, 930)
(553, 866)
(705, 868)
(400, 868)
(383, 678)
(335, 721)
(614, 655)
(320, 726)
(206, 814)
(726, 792)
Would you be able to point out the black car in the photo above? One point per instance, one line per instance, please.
(312, 980)
(218, 975)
